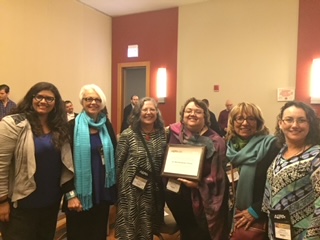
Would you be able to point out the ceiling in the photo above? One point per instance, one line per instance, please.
(115, 8)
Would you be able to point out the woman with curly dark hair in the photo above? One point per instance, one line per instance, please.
(200, 207)
(35, 165)
(139, 158)
(293, 179)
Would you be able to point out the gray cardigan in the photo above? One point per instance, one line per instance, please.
(17, 158)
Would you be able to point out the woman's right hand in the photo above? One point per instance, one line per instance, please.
(74, 204)
(4, 212)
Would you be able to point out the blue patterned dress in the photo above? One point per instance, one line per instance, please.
(294, 185)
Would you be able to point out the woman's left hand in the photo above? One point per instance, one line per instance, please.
(188, 183)
(74, 204)
(245, 219)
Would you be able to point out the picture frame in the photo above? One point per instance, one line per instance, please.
(184, 161)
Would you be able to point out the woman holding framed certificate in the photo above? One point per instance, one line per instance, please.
(199, 205)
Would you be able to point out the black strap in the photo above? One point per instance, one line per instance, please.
(149, 155)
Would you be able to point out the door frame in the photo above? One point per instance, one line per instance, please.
(121, 76)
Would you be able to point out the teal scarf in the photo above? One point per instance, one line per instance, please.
(82, 156)
(247, 159)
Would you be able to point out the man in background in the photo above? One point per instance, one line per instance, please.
(223, 117)
(213, 120)
(127, 111)
(6, 105)
(69, 108)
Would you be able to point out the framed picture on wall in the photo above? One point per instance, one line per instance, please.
(285, 94)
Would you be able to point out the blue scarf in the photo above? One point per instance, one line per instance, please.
(247, 159)
(82, 156)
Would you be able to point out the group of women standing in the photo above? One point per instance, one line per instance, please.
(43, 157)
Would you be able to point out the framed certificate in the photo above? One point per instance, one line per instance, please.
(184, 161)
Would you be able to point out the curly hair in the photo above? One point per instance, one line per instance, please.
(57, 118)
(249, 109)
(135, 117)
(313, 136)
(200, 104)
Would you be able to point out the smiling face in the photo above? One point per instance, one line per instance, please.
(91, 103)
(148, 114)
(245, 125)
(294, 125)
(193, 117)
(43, 102)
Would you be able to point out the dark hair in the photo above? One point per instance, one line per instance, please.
(206, 101)
(67, 102)
(57, 118)
(249, 109)
(134, 96)
(313, 136)
(5, 87)
(199, 104)
(135, 117)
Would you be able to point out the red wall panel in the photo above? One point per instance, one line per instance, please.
(308, 47)
(156, 34)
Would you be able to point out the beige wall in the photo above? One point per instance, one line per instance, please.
(248, 47)
(60, 41)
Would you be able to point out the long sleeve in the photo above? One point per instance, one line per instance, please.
(8, 141)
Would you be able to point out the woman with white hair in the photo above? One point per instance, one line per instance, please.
(94, 143)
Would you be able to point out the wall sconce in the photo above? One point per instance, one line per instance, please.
(162, 85)
(315, 82)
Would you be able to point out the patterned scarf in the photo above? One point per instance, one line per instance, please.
(82, 156)
(247, 159)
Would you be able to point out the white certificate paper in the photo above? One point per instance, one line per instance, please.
(184, 161)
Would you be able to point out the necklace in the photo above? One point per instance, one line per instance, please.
(289, 155)
(147, 134)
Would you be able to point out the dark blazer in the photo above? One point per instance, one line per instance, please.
(214, 125)
(126, 113)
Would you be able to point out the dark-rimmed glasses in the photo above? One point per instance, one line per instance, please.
(250, 120)
(90, 100)
(39, 98)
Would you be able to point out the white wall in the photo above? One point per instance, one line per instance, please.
(248, 47)
(62, 41)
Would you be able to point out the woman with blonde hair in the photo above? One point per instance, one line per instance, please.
(250, 151)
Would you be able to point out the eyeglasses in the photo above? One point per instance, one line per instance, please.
(290, 121)
(39, 98)
(90, 100)
(145, 110)
(249, 120)
(195, 111)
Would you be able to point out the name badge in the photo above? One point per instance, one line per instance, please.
(173, 185)
(141, 179)
(281, 224)
(102, 156)
(234, 173)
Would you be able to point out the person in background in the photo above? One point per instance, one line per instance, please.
(223, 117)
(69, 108)
(35, 165)
(250, 150)
(293, 179)
(127, 111)
(140, 155)
(200, 208)
(213, 120)
(6, 105)
(94, 144)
